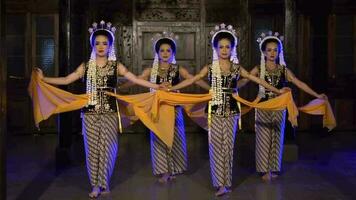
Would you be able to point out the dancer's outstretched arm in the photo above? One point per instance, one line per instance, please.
(144, 76)
(246, 74)
(203, 72)
(70, 78)
(242, 82)
(303, 86)
(186, 75)
(122, 70)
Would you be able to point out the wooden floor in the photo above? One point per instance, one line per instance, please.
(325, 169)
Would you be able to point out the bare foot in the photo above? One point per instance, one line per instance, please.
(165, 177)
(105, 191)
(222, 191)
(267, 177)
(172, 177)
(95, 192)
(274, 175)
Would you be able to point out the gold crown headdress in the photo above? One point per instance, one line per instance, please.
(227, 29)
(164, 35)
(109, 30)
(261, 40)
(171, 37)
(270, 35)
(102, 27)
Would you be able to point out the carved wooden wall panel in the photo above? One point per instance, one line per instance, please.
(124, 45)
(161, 10)
(188, 44)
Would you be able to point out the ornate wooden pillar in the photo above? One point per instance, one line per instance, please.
(290, 28)
(65, 119)
(203, 38)
(243, 25)
(244, 54)
(290, 53)
(319, 61)
(3, 75)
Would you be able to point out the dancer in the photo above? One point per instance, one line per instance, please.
(167, 162)
(100, 118)
(269, 125)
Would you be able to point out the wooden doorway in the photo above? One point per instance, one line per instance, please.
(31, 40)
(188, 45)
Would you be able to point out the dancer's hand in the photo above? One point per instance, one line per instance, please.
(157, 87)
(39, 72)
(322, 96)
(163, 88)
(284, 90)
(166, 84)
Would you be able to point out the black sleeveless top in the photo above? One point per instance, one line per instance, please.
(106, 79)
(277, 78)
(229, 106)
(171, 75)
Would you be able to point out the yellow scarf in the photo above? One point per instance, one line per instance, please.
(156, 110)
